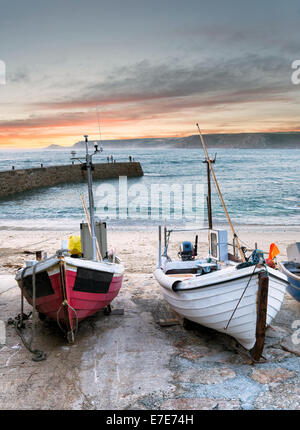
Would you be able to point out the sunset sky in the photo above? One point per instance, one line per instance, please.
(154, 68)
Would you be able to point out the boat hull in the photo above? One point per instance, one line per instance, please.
(69, 290)
(292, 271)
(294, 289)
(225, 300)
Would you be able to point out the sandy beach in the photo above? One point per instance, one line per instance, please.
(129, 361)
(136, 248)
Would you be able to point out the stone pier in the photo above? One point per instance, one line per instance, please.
(17, 181)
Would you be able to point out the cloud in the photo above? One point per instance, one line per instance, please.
(248, 76)
(147, 92)
(20, 75)
(54, 120)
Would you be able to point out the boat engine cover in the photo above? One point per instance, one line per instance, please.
(186, 251)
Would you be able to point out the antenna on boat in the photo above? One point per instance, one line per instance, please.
(221, 197)
(88, 166)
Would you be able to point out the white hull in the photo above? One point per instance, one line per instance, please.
(210, 300)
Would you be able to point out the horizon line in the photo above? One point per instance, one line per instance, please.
(20, 146)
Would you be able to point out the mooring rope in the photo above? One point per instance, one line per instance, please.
(249, 280)
(65, 303)
(72, 332)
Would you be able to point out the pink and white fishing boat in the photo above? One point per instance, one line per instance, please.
(68, 287)
(69, 290)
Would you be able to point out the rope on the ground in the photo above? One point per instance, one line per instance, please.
(37, 355)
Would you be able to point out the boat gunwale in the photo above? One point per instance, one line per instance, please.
(197, 287)
(75, 262)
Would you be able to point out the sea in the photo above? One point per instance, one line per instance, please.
(261, 187)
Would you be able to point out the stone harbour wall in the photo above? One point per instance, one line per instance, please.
(17, 181)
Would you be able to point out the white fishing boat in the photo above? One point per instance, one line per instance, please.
(239, 297)
(233, 298)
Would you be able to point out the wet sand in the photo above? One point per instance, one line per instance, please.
(131, 362)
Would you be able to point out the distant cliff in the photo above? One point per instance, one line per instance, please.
(236, 140)
(55, 147)
(244, 140)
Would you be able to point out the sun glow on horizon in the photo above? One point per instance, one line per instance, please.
(67, 140)
(141, 121)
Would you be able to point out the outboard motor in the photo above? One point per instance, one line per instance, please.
(186, 251)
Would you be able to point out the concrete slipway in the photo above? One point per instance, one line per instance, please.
(130, 362)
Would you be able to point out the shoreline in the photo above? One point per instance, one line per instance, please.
(65, 225)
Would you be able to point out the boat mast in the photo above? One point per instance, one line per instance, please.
(89, 164)
(221, 197)
(159, 247)
(208, 199)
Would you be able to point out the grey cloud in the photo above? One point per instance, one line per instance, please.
(18, 76)
(246, 78)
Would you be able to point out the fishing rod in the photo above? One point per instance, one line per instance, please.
(221, 197)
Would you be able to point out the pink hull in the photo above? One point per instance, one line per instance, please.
(81, 304)
(87, 304)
